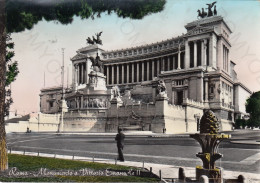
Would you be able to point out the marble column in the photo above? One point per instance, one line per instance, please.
(127, 73)
(137, 72)
(117, 74)
(107, 74)
(179, 59)
(148, 73)
(73, 74)
(195, 54)
(187, 55)
(173, 62)
(206, 90)
(227, 60)
(210, 50)
(203, 53)
(169, 61)
(123, 73)
(133, 66)
(78, 74)
(152, 69)
(86, 72)
(82, 73)
(158, 67)
(113, 74)
(163, 64)
(224, 58)
(200, 89)
(142, 70)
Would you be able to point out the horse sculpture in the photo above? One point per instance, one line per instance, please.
(210, 13)
(90, 41)
(95, 40)
(202, 13)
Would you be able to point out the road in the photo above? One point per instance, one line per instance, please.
(174, 150)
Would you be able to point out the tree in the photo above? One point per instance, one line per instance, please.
(240, 123)
(11, 73)
(253, 108)
(17, 16)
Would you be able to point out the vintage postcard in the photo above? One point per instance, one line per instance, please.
(130, 91)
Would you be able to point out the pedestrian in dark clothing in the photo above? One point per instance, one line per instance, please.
(120, 137)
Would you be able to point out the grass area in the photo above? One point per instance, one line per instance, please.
(27, 163)
(33, 163)
(80, 179)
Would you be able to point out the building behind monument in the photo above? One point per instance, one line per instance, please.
(194, 69)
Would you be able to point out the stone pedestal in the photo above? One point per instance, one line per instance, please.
(158, 123)
(97, 81)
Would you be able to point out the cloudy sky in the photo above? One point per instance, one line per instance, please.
(38, 51)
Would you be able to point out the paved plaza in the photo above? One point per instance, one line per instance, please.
(241, 152)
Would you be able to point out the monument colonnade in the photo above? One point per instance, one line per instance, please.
(134, 71)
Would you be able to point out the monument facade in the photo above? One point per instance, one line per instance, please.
(167, 84)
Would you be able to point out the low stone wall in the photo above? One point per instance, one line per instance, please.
(21, 126)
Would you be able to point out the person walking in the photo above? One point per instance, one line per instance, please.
(120, 137)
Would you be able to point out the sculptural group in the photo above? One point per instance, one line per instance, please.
(203, 14)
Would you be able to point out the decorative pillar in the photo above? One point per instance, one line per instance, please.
(86, 72)
(123, 73)
(107, 74)
(187, 55)
(206, 90)
(117, 74)
(179, 59)
(138, 70)
(168, 66)
(78, 74)
(200, 89)
(113, 76)
(173, 62)
(225, 50)
(133, 66)
(127, 72)
(143, 71)
(148, 73)
(204, 52)
(195, 54)
(152, 69)
(158, 67)
(82, 73)
(227, 60)
(163, 64)
(210, 51)
(73, 74)
(224, 58)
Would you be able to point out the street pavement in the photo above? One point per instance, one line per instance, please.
(160, 151)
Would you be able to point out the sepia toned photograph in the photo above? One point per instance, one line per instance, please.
(130, 91)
